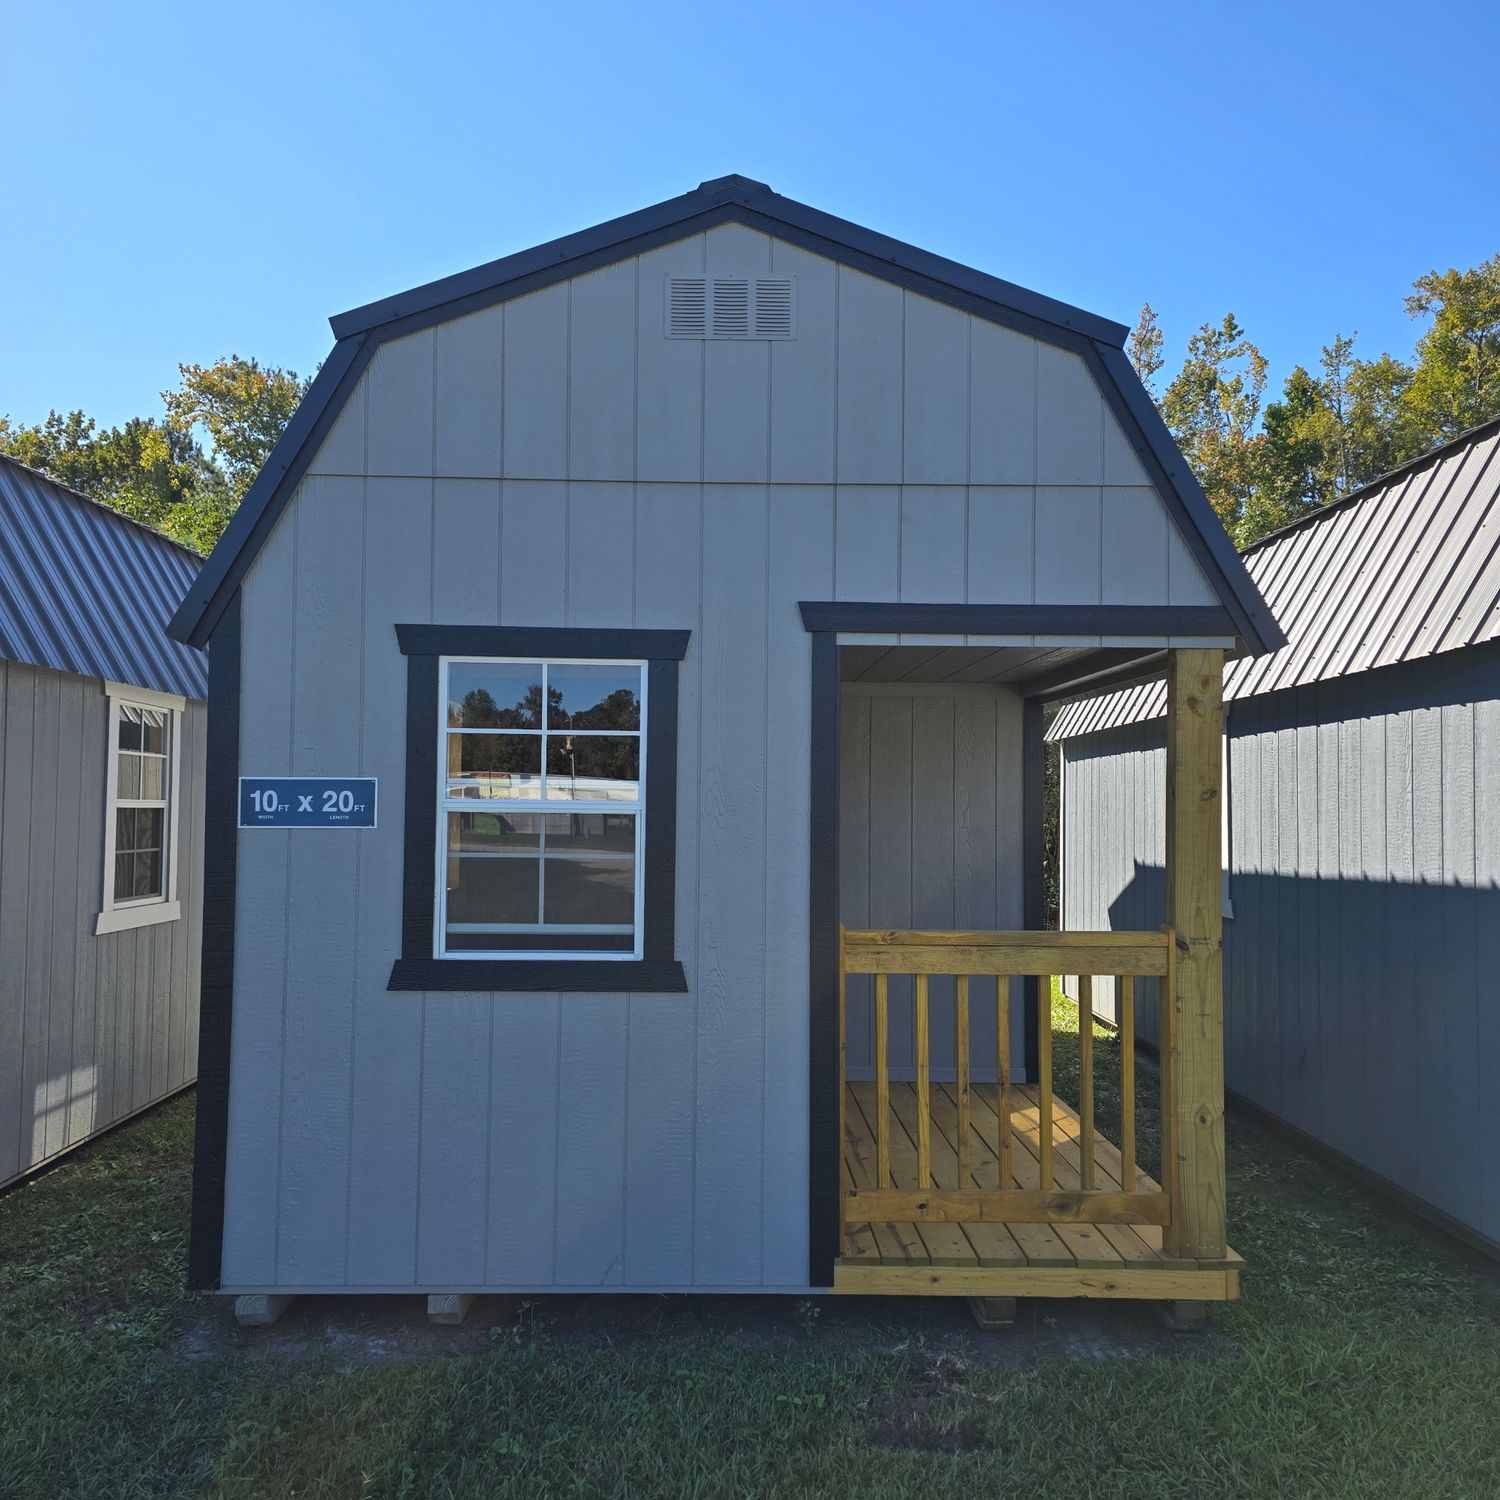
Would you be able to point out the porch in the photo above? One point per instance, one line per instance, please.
(1005, 1189)
(1072, 1258)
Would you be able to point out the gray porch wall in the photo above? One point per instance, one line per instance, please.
(930, 836)
(1361, 999)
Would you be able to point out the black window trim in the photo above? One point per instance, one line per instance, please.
(658, 969)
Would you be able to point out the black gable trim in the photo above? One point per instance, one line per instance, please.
(220, 874)
(1098, 341)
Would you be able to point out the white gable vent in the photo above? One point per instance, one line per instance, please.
(731, 307)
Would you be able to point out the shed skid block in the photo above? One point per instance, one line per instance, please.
(259, 1310)
(449, 1307)
(993, 1314)
(1181, 1316)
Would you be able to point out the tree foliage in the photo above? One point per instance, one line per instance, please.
(1213, 408)
(158, 470)
(1339, 426)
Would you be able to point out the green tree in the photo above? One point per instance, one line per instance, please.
(144, 468)
(1456, 383)
(1144, 348)
(242, 405)
(1213, 408)
(156, 470)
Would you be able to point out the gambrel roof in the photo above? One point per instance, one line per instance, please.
(84, 589)
(1405, 567)
(1098, 341)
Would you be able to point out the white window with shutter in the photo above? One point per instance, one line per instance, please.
(143, 776)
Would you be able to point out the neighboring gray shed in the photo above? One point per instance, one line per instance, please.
(571, 555)
(101, 820)
(1362, 871)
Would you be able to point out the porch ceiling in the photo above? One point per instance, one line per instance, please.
(1040, 669)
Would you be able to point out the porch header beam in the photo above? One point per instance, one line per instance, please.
(1092, 620)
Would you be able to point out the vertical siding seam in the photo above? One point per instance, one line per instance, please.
(489, 1093)
(286, 960)
(901, 464)
(364, 551)
(1036, 421)
(635, 546)
(698, 786)
(765, 863)
(51, 994)
(23, 1160)
(838, 283)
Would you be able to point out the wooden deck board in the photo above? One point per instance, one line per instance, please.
(1096, 1260)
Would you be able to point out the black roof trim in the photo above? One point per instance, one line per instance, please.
(1465, 439)
(713, 202)
(1098, 341)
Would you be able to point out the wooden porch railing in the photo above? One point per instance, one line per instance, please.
(1003, 955)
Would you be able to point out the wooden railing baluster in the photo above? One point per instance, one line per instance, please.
(1126, 1009)
(961, 1070)
(924, 1101)
(1127, 956)
(1002, 1073)
(1044, 1075)
(1086, 1081)
(883, 1080)
(843, 1072)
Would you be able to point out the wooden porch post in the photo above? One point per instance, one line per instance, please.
(1195, 725)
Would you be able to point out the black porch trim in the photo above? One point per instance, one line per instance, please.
(220, 862)
(1019, 619)
(825, 1150)
(658, 969)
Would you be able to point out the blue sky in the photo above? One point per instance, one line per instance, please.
(183, 181)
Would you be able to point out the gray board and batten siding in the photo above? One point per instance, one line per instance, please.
(930, 828)
(92, 1028)
(1360, 1002)
(555, 460)
(1363, 832)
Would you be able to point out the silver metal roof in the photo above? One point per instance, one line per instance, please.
(1406, 567)
(84, 589)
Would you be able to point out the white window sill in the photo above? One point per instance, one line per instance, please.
(122, 918)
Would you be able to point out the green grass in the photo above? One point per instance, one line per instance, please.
(1364, 1360)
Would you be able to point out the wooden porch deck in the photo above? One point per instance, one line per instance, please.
(1004, 1260)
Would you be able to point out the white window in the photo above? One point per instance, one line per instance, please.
(143, 777)
(541, 812)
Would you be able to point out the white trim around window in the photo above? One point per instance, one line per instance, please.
(151, 787)
(537, 801)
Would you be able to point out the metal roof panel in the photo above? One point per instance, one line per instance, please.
(84, 589)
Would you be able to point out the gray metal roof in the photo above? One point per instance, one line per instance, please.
(84, 589)
(1403, 568)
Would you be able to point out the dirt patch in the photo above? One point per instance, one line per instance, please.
(941, 1415)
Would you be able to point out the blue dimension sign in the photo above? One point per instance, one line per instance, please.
(307, 801)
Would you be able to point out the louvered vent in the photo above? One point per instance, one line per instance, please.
(687, 307)
(731, 307)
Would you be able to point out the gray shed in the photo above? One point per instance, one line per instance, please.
(101, 820)
(1362, 828)
(612, 622)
